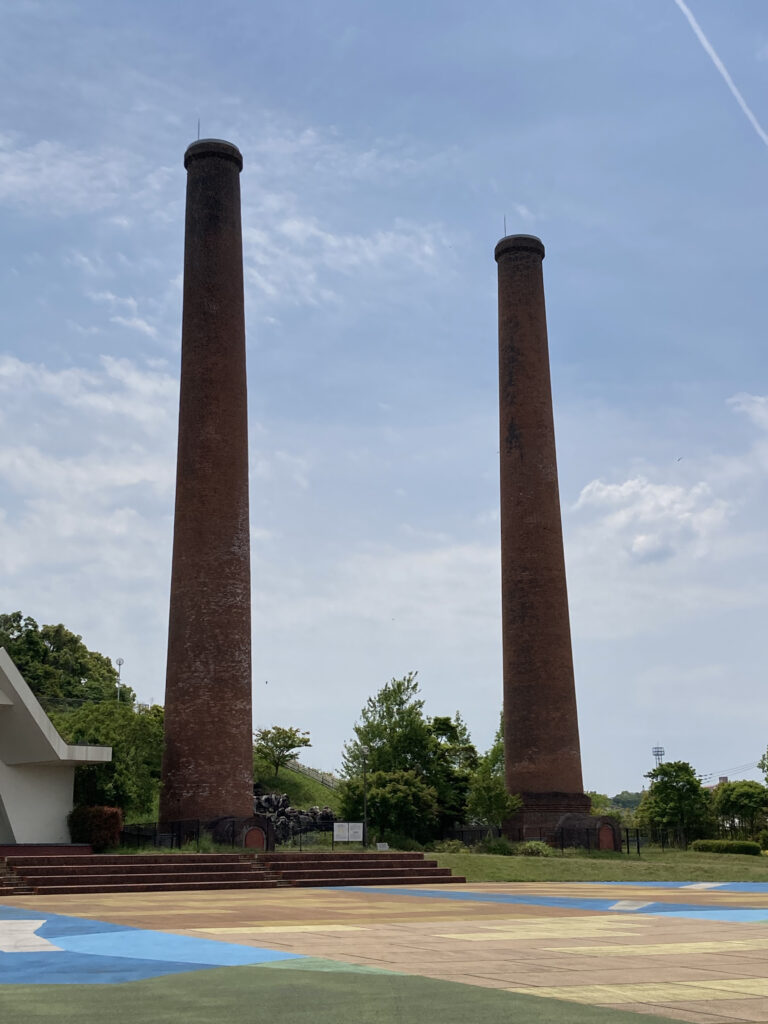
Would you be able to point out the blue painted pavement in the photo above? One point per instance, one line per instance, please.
(54, 949)
(699, 912)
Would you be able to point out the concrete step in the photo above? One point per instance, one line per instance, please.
(144, 879)
(75, 890)
(121, 858)
(284, 863)
(413, 879)
(343, 857)
(78, 871)
(331, 873)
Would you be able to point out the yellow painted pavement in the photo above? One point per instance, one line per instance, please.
(676, 967)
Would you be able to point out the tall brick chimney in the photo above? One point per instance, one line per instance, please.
(208, 760)
(541, 733)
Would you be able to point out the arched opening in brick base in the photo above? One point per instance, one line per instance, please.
(255, 839)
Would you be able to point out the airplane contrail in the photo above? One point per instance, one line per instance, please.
(710, 50)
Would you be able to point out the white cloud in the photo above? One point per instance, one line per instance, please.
(119, 388)
(294, 259)
(62, 180)
(755, 407)
(135, 323)
(653, 521)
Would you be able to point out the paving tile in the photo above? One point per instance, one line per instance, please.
(698, 970)
(676, 1011)
(725, 1010)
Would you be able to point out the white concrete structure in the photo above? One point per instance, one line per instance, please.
(37, 768)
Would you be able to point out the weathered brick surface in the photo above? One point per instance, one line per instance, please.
(207, 766)
(543, 760)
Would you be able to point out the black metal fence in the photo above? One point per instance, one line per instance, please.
(172, 835)
(311, 835)
(630, 840)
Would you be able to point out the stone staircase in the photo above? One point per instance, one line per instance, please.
(307, 869)
(12, 884)
(97, 873)
(81, 875)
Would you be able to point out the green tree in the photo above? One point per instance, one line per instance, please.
(600, 803)
(131, 780)
(496, 753)
(762, 764)
(56, 664)
(278, 746)
(450, 767)
(398, 737)
(676, 800)
(741, 805)
(627, 800)
(394, 730)
(488, 800)
(399, 802)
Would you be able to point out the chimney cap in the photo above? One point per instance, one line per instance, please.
(518, 243)
(213, 147)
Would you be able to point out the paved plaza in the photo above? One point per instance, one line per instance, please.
(586, 952)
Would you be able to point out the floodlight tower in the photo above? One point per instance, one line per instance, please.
(658, 753)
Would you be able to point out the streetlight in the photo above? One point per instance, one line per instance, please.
(119, 662)
(365, 751)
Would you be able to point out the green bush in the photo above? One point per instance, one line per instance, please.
(534, 848)
(762, 838)
(399, 842)
(98, 826)
(726, 846)
(500, 846)
(447, 846)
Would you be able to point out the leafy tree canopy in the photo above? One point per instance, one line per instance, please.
(488, 800)
(394, 735)
(278, 746)
(58, 667)
(394, 730)
(600, 803)
(676, 800)
(398, 801)
(630, 801)
(132, 779)
(495, 755)
(741, 804)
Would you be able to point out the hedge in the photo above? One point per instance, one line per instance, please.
(726, 846)
(98, 826)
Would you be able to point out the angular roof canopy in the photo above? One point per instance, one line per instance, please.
(27, 735)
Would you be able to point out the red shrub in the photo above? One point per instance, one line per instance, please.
(99, 826)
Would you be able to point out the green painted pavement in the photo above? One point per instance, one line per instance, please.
(314, 992)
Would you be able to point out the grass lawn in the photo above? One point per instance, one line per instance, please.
(652, 865)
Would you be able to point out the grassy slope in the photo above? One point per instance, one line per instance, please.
(302, 791)
(653, 865)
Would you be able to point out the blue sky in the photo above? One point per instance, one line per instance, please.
(383, 147)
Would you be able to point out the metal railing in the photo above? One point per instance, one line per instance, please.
(324, 778)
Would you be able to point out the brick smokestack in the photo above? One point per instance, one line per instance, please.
(208, 761)
(541, 733)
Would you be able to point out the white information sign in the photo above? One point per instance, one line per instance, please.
(347, 831)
